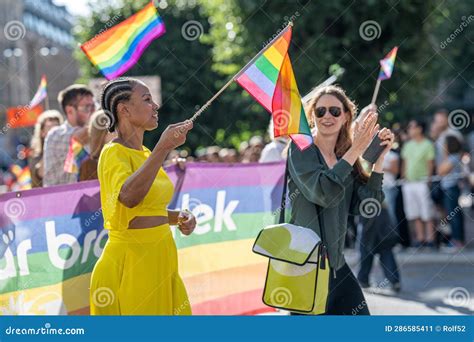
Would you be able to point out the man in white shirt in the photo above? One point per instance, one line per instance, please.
(77, 102)
(273, 151)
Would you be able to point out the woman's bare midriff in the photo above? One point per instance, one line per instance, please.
(141, 222)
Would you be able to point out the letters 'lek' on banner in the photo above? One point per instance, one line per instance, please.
(52, 237)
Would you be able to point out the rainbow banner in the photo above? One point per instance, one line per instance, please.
(386, 64)
(52, 237)
(270, 79)
(117, 49)
(75, 157)
(41, 93)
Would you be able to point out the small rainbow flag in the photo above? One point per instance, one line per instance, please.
(117, 49)
(270, 79)
(41, 93)
(16, 170)
(75, 157)
(23, 177)
(386, 64)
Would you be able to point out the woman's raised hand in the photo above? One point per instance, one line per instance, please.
(364, 130)
(366, 110)
(175, 135)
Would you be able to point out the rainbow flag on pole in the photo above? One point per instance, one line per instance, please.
(117, 49)
(270, 79)
(75, 157)
(386, 64)
(41, 93)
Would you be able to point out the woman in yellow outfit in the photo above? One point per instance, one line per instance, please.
(137, 273)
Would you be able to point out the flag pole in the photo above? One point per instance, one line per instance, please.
(241, 71)
(47, 102)
(376, 91)
(208, 103)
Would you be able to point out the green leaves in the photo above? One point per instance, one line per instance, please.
(326, 36)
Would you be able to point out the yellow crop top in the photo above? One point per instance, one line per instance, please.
(116, 164)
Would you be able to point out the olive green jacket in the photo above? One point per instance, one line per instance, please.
(337, 191)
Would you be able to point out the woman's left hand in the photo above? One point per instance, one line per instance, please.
(387, 138)
(186, 222)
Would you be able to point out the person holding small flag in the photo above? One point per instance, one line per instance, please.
(138, 269)
(77, 102)
(45, 122)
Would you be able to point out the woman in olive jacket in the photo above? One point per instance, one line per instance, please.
(329, 174)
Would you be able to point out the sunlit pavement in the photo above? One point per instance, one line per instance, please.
(433, 283)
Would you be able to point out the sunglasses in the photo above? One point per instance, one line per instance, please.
(334, 111)
(87, 108)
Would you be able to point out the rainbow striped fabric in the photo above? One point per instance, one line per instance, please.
(271, 81)
(41, 93)
(23, 177)
(118, 49)
(221, 274)
(386, 64)
(75, 157)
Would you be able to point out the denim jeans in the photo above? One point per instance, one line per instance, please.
(454, 212)
(391, 194)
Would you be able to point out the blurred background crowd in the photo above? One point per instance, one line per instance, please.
(428, 173)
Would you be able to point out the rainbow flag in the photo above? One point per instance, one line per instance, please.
(16, 170)
(386, 64)
(270, 79)
(41, 93)
(23, 177)
(75, 157)
(117, 49)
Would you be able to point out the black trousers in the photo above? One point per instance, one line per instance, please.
(387, 261)
(345, 294)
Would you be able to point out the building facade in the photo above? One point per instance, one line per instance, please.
(35, 39)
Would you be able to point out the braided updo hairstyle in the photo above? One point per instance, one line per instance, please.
(114, 92)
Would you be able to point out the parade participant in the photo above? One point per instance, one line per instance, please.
(451, 169)
(328, 174)
(77, 103)
(418, 156)
(98, 136)
(138, 267)
(45, 122)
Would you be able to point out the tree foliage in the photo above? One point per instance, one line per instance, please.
(426, 75)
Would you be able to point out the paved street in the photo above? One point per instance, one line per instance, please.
(432, 284)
